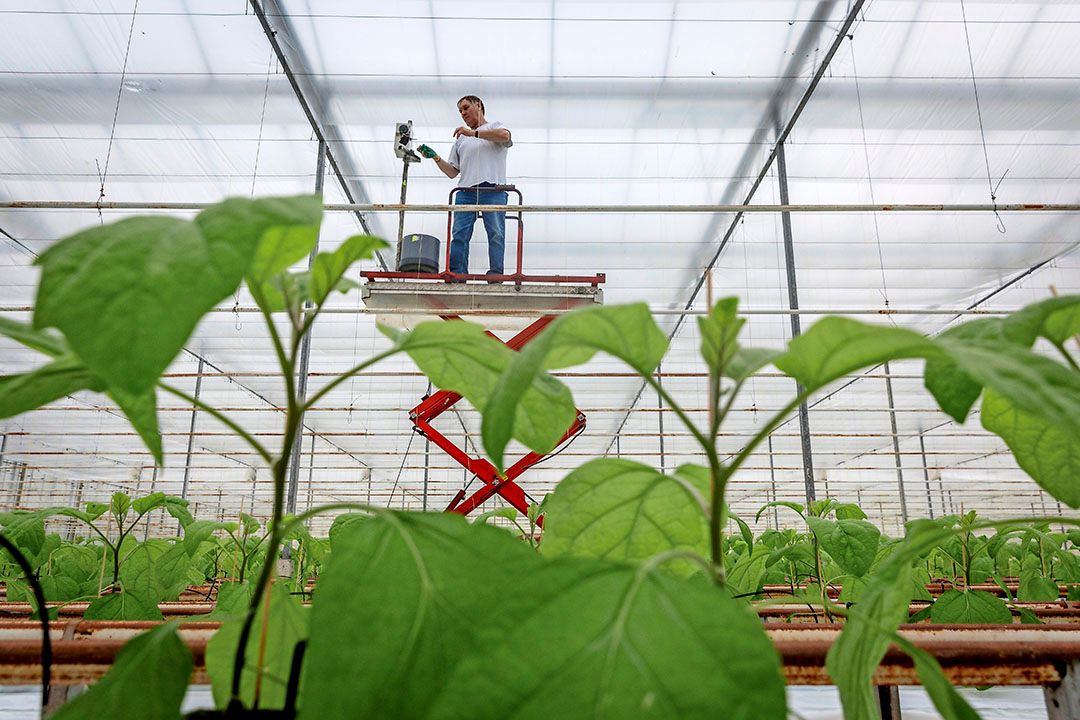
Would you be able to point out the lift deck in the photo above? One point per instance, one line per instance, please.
(518, 301)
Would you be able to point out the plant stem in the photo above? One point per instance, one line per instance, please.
(1067, 356)
(255, 444)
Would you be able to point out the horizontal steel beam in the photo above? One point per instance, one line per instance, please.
(562, 209)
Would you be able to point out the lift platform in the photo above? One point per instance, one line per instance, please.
(516, 301)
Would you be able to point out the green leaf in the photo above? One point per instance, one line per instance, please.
(948, 702)
(401, 600)
(627, 332)
(233, 599)
(127, 605)
(744, 529)
(24, 529)
(849, 511)
(747, 361)
(119, 505)
(329, 268)
(719, 332)
(148, 680)
(1035, 587)
(149, 502)
(127, 295)
(156, 570)
(141, 412)
(1057, 319)
(200, 531)
(975, 607)
(1047, 452)
(1028, 380)
(461, 357)
(621, 641)
(287, 625)
(343, 521)
(748, 571)
(835, 346)
(178, 509)
(249, 523)
(780, 503)
(623, 510)
(852, 544)
(955, 390)
(44, 341)
(94, 510)
(41, 386)
(508, 513)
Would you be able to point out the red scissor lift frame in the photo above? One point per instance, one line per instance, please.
(437, 403)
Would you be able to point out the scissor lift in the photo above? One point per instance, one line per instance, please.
(398, 296)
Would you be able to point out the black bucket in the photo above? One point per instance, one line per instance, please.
(419, 254)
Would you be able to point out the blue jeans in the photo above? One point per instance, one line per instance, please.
(494, 224)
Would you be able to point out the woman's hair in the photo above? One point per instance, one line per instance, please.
(473, 99)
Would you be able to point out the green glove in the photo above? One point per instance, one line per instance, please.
(427, 152)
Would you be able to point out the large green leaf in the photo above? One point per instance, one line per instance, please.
(127, 605)
(401, 600)
(127, 295)
(623, 510)
(852, 544)
(156, 570)
(1031, 382)
(1047, 452)
(460, 356)
(148, 680)
(974, 607)
(329, 268)
(585, 638)
(835, 346)
(287, 625)
(627, 332)
(41, 386)
(1057, 319)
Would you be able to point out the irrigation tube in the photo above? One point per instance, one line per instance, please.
(728, 208)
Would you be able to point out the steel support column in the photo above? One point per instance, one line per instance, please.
(305, 358)
(926, 474)
(896, 443)
(796, 328)
(191, 436)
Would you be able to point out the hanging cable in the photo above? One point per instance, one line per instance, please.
(262, 121)
(869, 175)
(982, 130)
(400, 469)
(102, 174)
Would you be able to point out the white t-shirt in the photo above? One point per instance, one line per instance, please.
(480, 160)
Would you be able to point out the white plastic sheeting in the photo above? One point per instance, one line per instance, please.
(610, 103)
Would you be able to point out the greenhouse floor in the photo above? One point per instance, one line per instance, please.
(811, 703)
